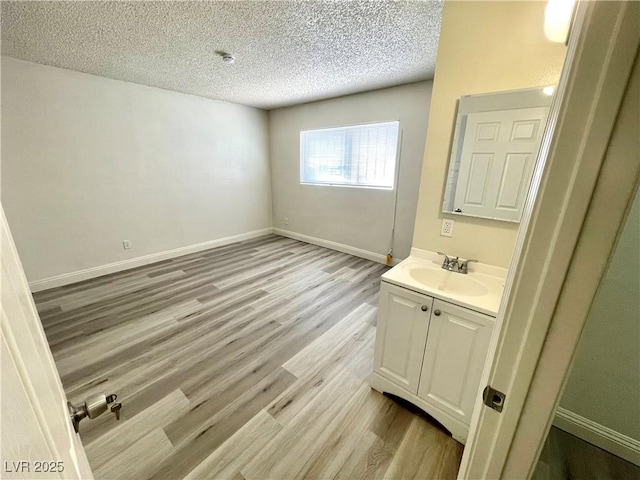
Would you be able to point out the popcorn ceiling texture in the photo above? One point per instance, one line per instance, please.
(286, 52)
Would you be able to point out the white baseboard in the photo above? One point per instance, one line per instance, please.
(340, 247)
(93, 272)
(616, 443)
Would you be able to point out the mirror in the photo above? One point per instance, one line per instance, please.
(495, 144)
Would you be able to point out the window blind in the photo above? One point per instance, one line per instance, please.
(360, 155)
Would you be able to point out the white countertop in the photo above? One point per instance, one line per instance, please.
(486, 282)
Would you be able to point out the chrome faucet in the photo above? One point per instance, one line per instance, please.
(455, 265)
(450, 264)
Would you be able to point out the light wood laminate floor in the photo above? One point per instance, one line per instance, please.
(246, 361)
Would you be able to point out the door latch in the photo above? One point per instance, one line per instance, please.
(92, 407)
(493, 398)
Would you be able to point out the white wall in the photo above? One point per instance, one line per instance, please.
(487, 46)
(88, 162)
(604, 382)
(356, 217)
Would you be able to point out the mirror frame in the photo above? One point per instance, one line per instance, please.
(478, 103)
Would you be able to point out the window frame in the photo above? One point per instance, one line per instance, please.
(352, 185)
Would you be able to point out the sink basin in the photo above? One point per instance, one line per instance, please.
(449, 282)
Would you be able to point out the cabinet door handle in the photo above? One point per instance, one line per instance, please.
(437, 313)
(424, 308)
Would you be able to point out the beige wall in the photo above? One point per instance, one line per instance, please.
(484, 47)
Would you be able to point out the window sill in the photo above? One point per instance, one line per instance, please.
(365, 187)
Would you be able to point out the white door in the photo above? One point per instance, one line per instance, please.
(38, 440)
(587, 176)
(456, 350)
(403, 322)
(498, 155)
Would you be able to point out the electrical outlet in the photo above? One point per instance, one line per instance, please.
(286, 220)
(126, 244)
(447, 227)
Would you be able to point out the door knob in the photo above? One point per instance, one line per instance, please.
(92, 407)
(437, 313)
(424, 308)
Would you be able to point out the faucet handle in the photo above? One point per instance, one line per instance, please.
(463, 267)
(446, 257)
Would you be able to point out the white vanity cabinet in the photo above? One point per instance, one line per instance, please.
(431, 353)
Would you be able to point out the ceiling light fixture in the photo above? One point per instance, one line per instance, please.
(557, 19)
(548, 90)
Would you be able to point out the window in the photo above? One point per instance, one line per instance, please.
(362, 155)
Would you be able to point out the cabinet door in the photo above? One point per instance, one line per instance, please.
(456, 351)
(403, 322)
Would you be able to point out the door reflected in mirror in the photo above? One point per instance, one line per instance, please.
(495, 145)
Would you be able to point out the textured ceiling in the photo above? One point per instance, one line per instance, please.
(286, 52)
